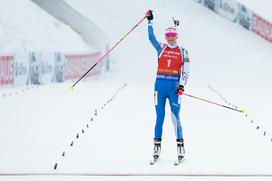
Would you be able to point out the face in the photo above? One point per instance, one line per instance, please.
(171, 39)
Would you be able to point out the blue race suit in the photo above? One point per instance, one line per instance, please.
(165, 88)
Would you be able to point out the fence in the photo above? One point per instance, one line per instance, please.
(239, 13)
(42, 68)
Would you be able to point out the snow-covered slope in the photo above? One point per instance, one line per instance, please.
(119, 140)
(26, 27)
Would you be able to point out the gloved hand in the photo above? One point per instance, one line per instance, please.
(149, 15)
(180, 90)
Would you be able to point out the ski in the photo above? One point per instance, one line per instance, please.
(178, 162)
(152, 162)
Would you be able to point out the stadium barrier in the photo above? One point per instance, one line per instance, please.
(37, 68)
(239, 13)
(6, 69)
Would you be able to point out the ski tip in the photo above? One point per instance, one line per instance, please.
(152, 162)
(179, 161)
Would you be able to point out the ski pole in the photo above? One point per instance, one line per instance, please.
(73, 86)
(214, 103)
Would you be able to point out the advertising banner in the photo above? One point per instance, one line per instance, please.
(229, 9)
(6, 69)
(262, 27)
(199, 1)
(77, 65)
(59, 67)
(42, 68)
(34, 76)
(245, 17)
(21, 68)
(239, 13)
(212, 4)
(47, 67)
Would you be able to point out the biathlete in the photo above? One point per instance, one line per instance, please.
(172, 75)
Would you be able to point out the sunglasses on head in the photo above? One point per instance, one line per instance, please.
(167, 35)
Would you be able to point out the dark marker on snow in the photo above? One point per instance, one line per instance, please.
(82, 130)
(63, 154)
(55, 166)
(72, 143)
(77, 136)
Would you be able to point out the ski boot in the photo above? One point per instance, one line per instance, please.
(156, 151)
(180, 150)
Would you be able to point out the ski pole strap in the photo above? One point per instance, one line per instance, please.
(214, 103)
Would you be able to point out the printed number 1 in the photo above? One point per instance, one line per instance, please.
(168, 63)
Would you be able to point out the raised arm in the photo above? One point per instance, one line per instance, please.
(152, 38)
(151, 34)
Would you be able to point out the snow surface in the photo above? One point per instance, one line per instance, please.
(26, 27)
(37, 125)
(261, 7)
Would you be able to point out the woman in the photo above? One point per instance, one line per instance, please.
(172, 75)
